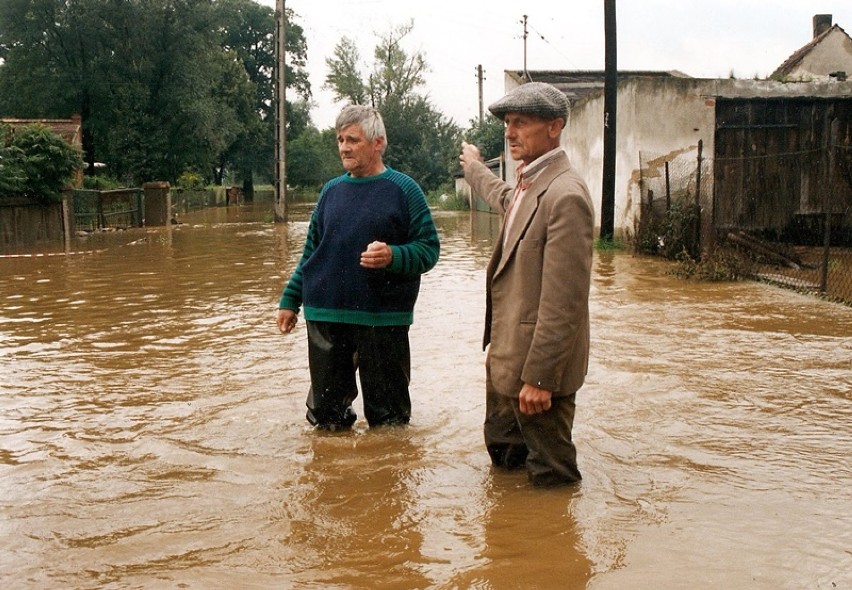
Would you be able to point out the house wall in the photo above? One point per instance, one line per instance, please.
(658, 120)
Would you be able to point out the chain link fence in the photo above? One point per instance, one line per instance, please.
(811, 253)
(672, 186)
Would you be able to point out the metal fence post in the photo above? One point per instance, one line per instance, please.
(826, 206)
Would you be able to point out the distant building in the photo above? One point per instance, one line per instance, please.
(828, 55)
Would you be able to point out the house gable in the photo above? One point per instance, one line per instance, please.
(828, 55)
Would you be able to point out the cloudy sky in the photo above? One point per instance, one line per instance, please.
(707, 39)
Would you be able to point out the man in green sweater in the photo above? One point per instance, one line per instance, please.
(370, 238)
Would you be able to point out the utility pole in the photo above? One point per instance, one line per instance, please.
(526, 75)
(610, 108)
(280, 113)
(480, 78)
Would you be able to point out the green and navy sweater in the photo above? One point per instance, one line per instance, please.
(351, 213)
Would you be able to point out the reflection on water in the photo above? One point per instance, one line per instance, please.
(153, 430)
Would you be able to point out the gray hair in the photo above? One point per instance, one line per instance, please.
(368, 118)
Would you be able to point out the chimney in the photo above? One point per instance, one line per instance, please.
(822, 22)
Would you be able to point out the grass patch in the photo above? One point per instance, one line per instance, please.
(445, 197)
(610, 245)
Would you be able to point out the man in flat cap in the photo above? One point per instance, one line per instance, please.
(537, 291)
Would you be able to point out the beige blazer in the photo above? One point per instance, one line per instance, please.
(537, 291)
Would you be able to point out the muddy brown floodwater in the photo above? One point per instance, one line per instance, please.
(153, 431)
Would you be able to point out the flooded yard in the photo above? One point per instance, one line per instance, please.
(153, 431)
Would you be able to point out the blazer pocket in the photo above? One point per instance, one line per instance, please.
(530, 244)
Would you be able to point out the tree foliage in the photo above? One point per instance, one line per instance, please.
(422, 142)
(487, 135)
(344, 77)
(35, 162)
(163, 86)
(312, 158)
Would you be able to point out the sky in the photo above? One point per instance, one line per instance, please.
(702, 39)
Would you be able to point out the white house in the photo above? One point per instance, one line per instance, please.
(827, 55)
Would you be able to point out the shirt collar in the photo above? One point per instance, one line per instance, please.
(533, 168)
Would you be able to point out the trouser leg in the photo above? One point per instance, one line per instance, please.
(384, 367)
(552, 455)
(503, 438)
(332, 363)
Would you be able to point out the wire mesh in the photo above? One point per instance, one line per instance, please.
(811, 251)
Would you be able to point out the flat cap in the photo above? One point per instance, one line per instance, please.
(533, 98)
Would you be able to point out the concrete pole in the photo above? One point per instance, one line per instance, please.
(280, 113)
(479, 78)
(609, 135)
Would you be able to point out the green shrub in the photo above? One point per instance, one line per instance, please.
(190, 181)
(36, 163)
(609, 245)
(301, 194)
(101, 183)
(671, 233)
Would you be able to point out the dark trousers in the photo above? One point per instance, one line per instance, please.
(382, 358)
(541, 442)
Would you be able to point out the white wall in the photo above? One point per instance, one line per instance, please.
(665, 117)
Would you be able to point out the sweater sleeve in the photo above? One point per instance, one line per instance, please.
(420, 253)
(291, 296)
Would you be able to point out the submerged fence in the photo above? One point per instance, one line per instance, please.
(793, 227)
(117, 209)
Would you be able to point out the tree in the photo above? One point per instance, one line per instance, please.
(422, 142)
(313, 158)
(487, 135)
(163, 86)
(344, 78)
(248, 34)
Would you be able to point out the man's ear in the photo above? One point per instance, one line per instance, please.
(555, 127)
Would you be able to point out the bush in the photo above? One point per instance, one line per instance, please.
(724, 263)
(190, 181)
(102, 183)
(36, 163)
(669, 234)
(609, 245)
